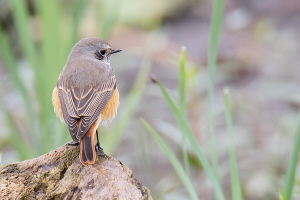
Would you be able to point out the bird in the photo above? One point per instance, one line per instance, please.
(86, 94)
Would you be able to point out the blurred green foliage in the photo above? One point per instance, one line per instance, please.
(179, 113)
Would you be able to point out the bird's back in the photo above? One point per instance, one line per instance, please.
(82, 73)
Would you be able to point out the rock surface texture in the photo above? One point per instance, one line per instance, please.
(59, 175)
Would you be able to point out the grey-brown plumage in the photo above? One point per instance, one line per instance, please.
(85, 85)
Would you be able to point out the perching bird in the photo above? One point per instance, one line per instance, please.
(86, 94)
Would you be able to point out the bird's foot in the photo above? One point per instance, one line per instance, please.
(99, 149)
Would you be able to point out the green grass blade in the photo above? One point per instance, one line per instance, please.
(110, 18)
(215, 27)
(185, 129)
(9, 59)
(182, 102)
(78, 8)
(291, 171)
(182, 82)
(110, 142)
(281, 195)
(174, 161)
(49, 13)
(234, 174)
(185, 155)
(21, 19)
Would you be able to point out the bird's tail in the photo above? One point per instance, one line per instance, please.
(87, 153)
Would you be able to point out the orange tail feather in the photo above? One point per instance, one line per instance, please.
(87, 153)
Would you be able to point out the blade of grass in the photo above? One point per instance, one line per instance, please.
(291, 171)
(110, 142)
(110, 17)
(234, 173)
(21, 19)
(185, 155)
(281, 195)
(182, 82)
(51, 45)
(215, 27)
(78, 8)
(182, 102)
(185, 129)
(174, 161)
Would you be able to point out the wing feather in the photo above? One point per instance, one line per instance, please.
(70, 121)
(84, 106)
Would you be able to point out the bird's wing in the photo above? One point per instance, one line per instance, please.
(83, 107)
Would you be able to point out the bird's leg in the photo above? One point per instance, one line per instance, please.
(73, 143)
(97, 146)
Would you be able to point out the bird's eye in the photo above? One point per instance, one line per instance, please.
(102, 52)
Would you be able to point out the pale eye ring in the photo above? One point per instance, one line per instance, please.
(102, 52)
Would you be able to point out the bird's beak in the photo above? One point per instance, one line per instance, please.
(114, 51)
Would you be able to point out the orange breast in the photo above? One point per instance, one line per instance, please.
(111, 107)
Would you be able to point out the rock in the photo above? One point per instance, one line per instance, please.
(60, 175)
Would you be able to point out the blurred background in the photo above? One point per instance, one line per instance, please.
(258, 59)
